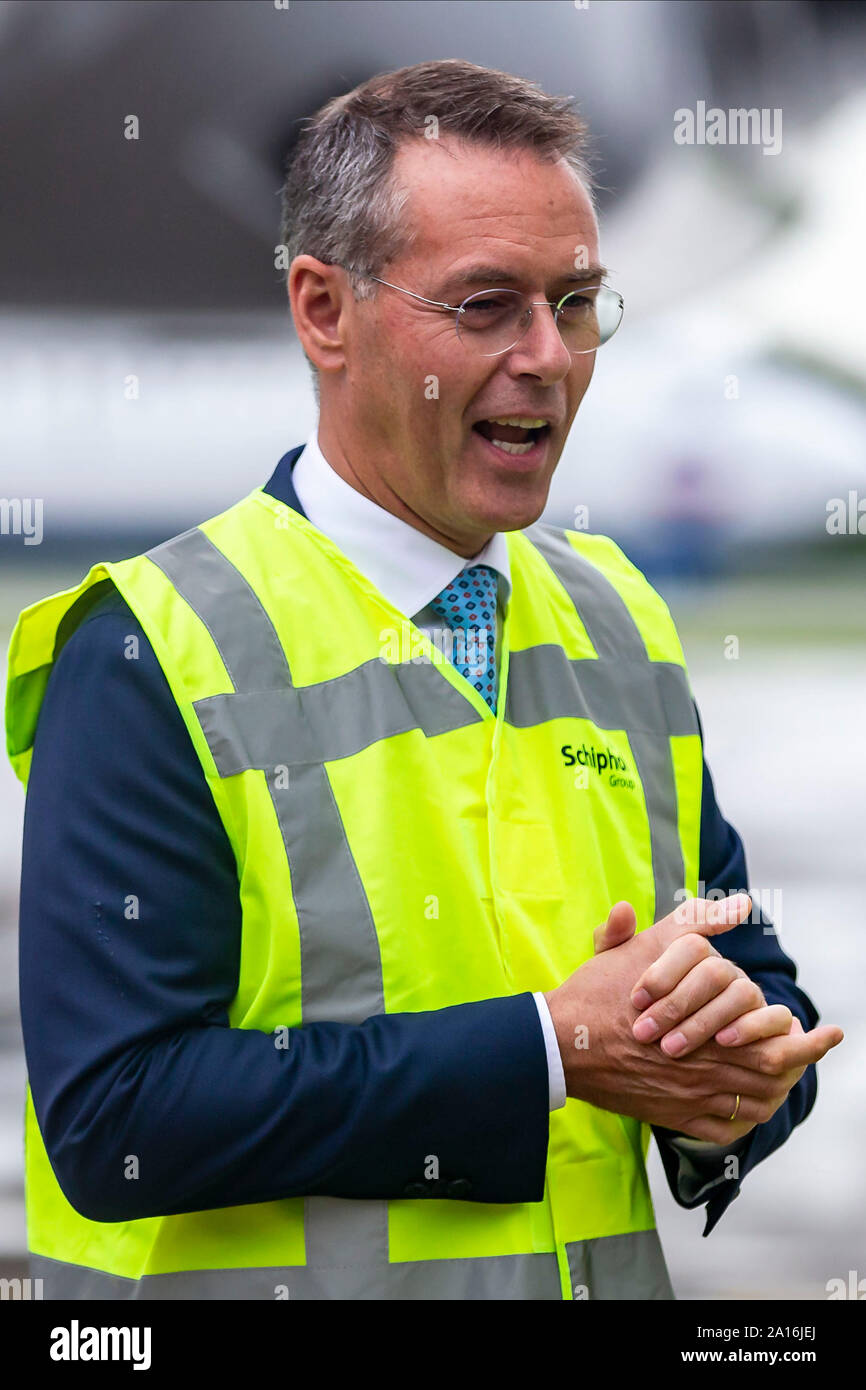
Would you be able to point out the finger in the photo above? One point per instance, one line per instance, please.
(707, 917)
(741, 996)
(795, 1029)
(754, 1110)
(773, 1056)
(768, 1022)
(672, 966)
(709, 979)
(718, 1131)
(620, 926)
(725, 1078)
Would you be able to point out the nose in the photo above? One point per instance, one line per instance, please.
(541, 351)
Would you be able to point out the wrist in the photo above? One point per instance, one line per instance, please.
(572, 1038)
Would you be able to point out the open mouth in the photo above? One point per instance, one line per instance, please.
(517, 441)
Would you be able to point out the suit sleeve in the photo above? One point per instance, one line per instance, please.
(698, 1175)
(130, 929)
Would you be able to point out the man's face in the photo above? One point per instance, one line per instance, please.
(412, 392)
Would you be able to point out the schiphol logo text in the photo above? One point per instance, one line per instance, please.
(598, 761)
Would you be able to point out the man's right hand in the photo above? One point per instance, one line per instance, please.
(696, 1095)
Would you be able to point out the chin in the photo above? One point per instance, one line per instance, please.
(512, 508)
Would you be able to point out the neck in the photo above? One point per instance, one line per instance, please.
(370, 483)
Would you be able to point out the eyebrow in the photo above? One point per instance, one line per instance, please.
(497, 275)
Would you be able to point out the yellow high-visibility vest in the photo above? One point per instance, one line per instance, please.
(401, 848)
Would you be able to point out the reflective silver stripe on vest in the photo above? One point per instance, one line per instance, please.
(330, 719)
(613, 1267)
(334, 918)
(650, 700)
(543, 683)
(606, 1266)
(228, 606)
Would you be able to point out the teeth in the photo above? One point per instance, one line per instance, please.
(511, 448)
(524, 422)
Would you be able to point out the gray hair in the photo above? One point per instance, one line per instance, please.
(339, 201)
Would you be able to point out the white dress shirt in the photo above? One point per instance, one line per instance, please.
(410, 569)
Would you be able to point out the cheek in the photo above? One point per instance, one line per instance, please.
(580, 379)
(585, 370)
(437, 365)
(418, 342)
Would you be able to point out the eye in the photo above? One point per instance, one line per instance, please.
(487, 308)
(577, 306)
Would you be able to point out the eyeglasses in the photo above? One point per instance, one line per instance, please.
(492, 321)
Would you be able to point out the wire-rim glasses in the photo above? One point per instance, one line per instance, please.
(490, 322)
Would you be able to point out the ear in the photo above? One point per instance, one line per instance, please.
(318, 295)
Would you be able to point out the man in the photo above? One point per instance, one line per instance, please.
(315, 928)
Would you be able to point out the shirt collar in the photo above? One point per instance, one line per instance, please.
(408, 567)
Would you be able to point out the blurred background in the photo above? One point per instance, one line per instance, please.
(150, 376)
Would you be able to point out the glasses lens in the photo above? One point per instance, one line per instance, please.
(588, 318)
(491, 322)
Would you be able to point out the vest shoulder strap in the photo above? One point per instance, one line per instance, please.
(627, 615)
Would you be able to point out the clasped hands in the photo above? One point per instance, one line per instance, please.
(660, 1026)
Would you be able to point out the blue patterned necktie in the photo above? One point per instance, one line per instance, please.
(468, 605)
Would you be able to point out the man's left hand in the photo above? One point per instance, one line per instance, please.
(692, 993)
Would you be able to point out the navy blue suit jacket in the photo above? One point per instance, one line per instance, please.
(126, 1032)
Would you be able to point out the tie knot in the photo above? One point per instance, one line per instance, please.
(470, 598)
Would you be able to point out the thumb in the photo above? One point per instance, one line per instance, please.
(620, 927)
(705, 916)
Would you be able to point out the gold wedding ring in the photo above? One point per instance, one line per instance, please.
(736, 1108)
